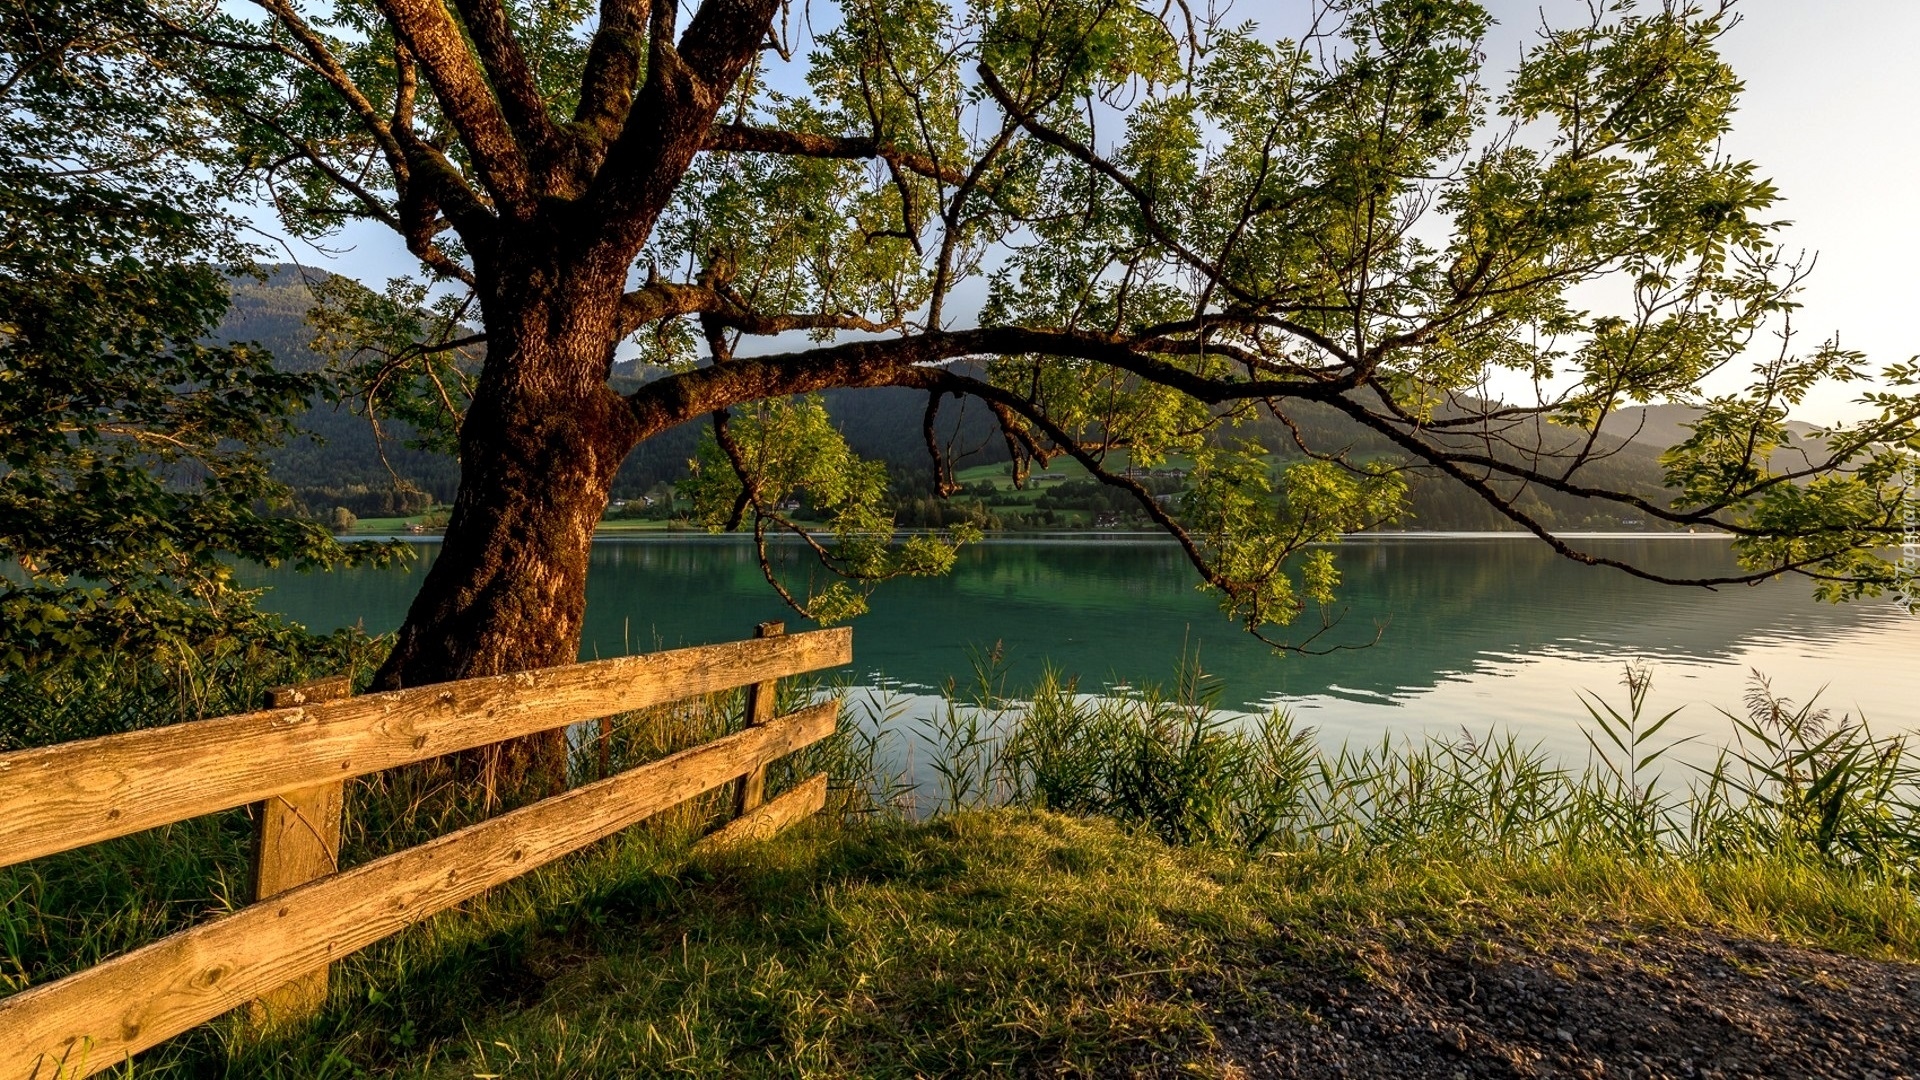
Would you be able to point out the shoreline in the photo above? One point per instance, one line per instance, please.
(1105, 536)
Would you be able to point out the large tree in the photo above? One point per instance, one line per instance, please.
(1127, 230)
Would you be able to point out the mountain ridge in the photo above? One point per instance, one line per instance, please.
(336, 460)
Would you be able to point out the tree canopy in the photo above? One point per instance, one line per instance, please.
(1129, 230)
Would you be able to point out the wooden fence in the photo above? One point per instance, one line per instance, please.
(293, 759)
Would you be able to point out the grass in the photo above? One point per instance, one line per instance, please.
(394, 526)
(382, 526)
(1092, 869)
(999, 476)
(1021, 941)
(636, 525)
(1795, 780)
(982, 942)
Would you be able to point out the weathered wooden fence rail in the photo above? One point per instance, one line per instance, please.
(294, 758)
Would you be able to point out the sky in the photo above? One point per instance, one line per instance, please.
(1831, 114)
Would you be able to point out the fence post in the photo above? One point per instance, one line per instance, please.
(761, 703)
(297, 840)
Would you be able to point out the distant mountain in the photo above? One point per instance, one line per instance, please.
(339, 463)
(1658, 427)
(273, 312)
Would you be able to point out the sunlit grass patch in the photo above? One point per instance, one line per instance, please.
(984, 942)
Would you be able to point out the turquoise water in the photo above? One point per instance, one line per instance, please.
(1473, 633)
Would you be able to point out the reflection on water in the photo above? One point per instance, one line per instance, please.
(1474, 633)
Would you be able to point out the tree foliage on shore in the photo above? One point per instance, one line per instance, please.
(132, 474)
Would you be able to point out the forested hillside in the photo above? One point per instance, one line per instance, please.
(338, 462)
(341, 463)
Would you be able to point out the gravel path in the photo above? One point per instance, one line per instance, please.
(1640, 1007)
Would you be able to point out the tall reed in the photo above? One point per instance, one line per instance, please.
(1793, 781)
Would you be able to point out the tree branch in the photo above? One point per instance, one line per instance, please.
(666, 299)
(743, 138)
(1107, 169)
(1560, 482)
(1003, 401)
(612, 68)
(663, 403)
(1452, 466)
(507, 69)
(669, 120)
(370, 204)
(682, 396)
(436, 42)
(316, 57)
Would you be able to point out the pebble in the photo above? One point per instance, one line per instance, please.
(1789, 1012)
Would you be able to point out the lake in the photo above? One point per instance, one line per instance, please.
(1481, 633)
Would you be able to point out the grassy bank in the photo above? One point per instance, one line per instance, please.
(982, 942)
(1017, 941)
(1100, 882)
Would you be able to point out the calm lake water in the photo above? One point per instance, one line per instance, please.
(1477, 633)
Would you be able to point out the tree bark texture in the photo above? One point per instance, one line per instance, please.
(539, 447)
(561, 214)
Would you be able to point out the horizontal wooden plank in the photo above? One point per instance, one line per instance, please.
(94, 1019)
(325, 688)
(803, 801)
(56, 798)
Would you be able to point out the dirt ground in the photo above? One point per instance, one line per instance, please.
(1637, 1006)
